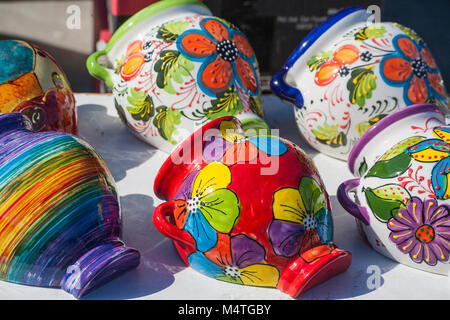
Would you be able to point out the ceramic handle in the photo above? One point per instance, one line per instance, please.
(97, 70)
(348, 204)
(161, 217)
(285, 91)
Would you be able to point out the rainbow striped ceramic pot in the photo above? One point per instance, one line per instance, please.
(59, 212)
(32, 82)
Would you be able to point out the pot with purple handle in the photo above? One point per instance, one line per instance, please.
(402, 197)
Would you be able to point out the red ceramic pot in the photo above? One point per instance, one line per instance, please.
(248, 210)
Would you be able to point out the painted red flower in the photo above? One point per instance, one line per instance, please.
(414, 68)
(226, 54)
(345, 55)
(133, 62)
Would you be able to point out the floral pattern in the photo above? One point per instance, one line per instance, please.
(184, 73)
(238, 259)
(133, 62)
(413, 67)
(301, 218)
(436, 150)
(232, 146)
(344, 56)
(204, 205)
(225, 53)
(365, 75)
(244, 243)
(422, 230)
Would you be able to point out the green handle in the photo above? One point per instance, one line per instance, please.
(97, 70)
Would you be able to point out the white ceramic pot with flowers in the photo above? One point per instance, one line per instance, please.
(173, 67)
(402, 200)
(349, 73)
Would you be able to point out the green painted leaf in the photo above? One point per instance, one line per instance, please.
(228, 278)
(400, 147)
(120, 112)
(392, 192)
(373, 31)
(382, 208)
(142, 107)
(256, 105)
(330, 135)
(221, 209)
(170, 31)
(165, 121)
(360, 85)
(171, 66)
(315, 62)
(227, 103)
(312, 195)
(363, 168)
(409, 32)
(362, 127)
(390, 168)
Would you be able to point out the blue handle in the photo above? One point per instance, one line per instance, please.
(285, 91)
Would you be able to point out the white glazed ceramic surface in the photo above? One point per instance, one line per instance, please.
(406, 192)
(179, 69)
(355, 74)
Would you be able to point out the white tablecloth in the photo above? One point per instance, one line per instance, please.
(161, 273)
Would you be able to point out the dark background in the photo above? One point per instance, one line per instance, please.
(273, 39)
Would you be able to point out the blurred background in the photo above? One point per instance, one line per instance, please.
(71, 30)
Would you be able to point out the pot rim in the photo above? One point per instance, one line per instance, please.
(385, 123)
(278, 84)
(146, 13)
(173, 174)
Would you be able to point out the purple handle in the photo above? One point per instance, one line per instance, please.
(355, 210)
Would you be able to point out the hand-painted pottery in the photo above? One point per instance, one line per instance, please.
(31, 82)
(59, 211)
(248, 210)
(173, 67)
(347, 74)
(403, 198)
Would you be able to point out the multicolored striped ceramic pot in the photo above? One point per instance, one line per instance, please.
(60, 218)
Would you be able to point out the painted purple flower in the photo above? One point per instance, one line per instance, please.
(236, 259)
(422, 230)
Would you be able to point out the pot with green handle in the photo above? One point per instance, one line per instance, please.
(173, 67)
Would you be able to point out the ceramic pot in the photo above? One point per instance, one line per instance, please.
(173, 67)
(32, 82)
(349, 73)
(402, 201)
(248, 210)
(59, 213)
